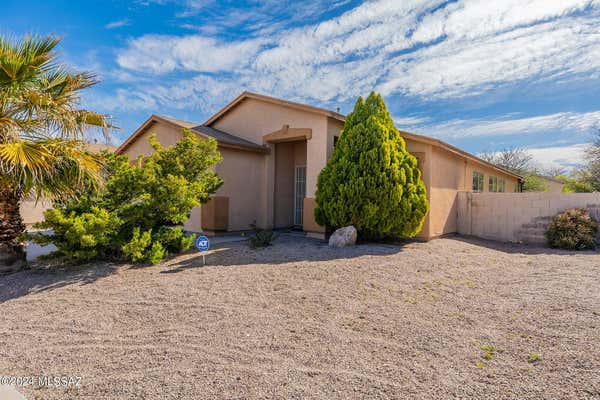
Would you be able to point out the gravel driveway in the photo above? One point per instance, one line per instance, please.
(450, 318)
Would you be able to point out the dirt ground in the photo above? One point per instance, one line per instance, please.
(452, 318)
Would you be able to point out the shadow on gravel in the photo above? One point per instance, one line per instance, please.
(286, 249)
(40, 280)
(518, 248)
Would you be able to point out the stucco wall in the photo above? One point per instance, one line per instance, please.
(423, 153)
(516, 217)
(243, 174)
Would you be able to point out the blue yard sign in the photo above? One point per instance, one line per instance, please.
(202, 243)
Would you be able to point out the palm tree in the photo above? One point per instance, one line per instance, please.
(42, 127)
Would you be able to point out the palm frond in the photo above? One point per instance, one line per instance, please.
(50, 167)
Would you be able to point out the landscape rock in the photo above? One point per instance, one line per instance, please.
(343, 237)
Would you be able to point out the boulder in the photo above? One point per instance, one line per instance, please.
(343, 237)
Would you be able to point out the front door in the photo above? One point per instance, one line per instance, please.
(299, 194)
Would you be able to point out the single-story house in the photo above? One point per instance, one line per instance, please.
(273, 151)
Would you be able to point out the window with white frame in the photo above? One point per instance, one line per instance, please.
(501, 185)
(477, 181)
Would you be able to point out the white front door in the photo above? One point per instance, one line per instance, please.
(299, 194)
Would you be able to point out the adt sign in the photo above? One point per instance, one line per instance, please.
(202, 243)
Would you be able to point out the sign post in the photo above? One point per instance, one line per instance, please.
(202, 244)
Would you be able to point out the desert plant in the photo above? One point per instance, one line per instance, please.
(80, 237)
(572, 229)
(148, 199)
(42, 128)
(261, 237)
(371, 181)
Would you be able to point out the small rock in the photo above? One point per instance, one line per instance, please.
(343, 237)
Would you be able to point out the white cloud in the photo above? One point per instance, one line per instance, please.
(118, 24)
(572, 123)
(567, 157)
(410, 121)
(161, 54)
(462, 49)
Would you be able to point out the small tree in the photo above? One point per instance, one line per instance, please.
(135, 215)
(371, 181)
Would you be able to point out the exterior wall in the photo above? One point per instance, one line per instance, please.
(517, 217)
(448, 178)
(423, 153)
(242, 172)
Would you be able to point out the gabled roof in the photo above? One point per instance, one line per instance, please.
(273, 100)
(224, 139)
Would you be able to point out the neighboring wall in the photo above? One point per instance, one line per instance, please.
(517, 217)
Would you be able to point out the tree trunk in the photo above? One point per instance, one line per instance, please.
(12, 254)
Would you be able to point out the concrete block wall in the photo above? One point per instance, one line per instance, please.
(517, 217)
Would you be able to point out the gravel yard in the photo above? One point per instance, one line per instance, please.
(451, 318)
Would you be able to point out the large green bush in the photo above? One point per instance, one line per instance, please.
(134, 216)
(371, 181)
(572, 229)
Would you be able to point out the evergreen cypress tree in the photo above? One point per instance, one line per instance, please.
(371, 181)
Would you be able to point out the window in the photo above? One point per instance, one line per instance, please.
(477, 181)
(335, 140)
(501, 185)
(493, 184)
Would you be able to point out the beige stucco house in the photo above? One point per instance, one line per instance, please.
(273, 151)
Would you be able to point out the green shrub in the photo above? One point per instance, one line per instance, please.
(174, 240)
(134, 215)
(371, 181)
(572, 229)
(81, 237)
(136, 249)
(261, 237)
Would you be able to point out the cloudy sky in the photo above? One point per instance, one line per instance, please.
(482, 75)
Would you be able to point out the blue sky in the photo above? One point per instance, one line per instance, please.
(478, 74)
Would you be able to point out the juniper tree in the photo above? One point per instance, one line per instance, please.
(371, 181)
